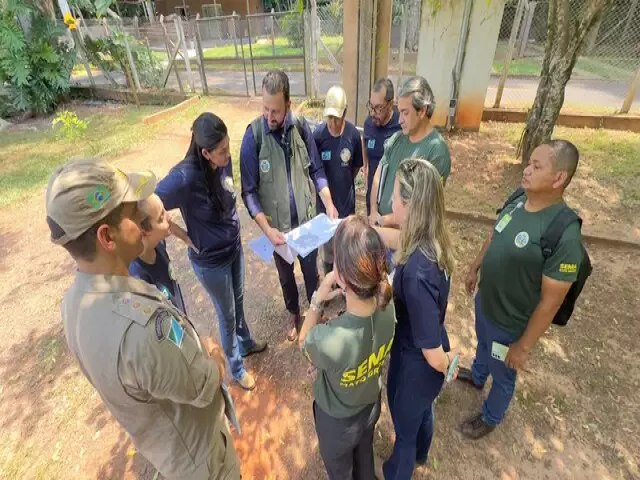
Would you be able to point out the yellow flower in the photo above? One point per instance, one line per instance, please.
(69, 21)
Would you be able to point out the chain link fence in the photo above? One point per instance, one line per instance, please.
(603, 73)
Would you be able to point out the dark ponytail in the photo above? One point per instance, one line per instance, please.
(207, 131)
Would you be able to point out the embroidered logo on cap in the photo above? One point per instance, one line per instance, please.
(98, 197)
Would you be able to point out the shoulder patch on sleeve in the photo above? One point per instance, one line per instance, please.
(167, 327)
(134, 307)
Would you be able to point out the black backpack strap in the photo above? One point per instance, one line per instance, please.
(518, 192)
(552, 235)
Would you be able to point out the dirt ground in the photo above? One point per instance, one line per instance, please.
(575, 414)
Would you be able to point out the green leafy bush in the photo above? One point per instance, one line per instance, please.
(69, 126)
(292, 27)
(35, 60)
(110, 54)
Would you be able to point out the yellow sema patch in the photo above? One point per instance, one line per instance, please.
(568, 268)
(368, 368)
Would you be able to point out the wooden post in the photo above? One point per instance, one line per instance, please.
(234, 33)
(203, 75)
(106, 27)
(631, 93)
(136, 26)
(365, 64)
(350, 29)
(524, 38)
(273, 33)
(183, 41)
(383, 38)
(315, 75)
(403, 40)
(166, 44)
(507, 61)
(132, 64)
(253, 69)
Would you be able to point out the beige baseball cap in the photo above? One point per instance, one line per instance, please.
(335, 103)
(82, 192)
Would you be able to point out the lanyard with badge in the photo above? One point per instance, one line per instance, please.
(504, 221)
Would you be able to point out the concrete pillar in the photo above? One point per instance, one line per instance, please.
(438, 45)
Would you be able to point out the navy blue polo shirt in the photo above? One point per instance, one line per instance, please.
(421, 295)
(374, 138)
(160, 274)
(250, 170)
(215, 233)
(341, 157)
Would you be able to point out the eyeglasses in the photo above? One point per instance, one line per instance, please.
(378, 108)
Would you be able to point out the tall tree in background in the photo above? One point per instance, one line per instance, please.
(569, 23)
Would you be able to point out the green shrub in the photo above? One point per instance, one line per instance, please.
(293, 29)
(36, 61)
(69, 126)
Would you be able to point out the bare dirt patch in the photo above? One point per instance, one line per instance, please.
(575, 413)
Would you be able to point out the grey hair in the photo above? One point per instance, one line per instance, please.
(276, 81)
(421, 94)
(388, 88)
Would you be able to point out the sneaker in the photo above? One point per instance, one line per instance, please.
(247, 381)
(464, 375)
(476, 428)
(258, 346)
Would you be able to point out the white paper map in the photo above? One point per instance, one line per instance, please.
(300, 241)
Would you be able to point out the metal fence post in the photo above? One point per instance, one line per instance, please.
(306, 48)
(244, 63)
(507, 61)
(631, 93)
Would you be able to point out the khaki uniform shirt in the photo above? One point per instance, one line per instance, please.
(145, 360)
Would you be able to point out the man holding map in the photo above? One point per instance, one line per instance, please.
(280, 172)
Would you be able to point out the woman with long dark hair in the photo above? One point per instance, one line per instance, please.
(350, 350)
(201, 186)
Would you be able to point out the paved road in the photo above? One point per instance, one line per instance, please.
(583, 95)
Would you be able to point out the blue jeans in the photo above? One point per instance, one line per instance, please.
(504, 378)
(225, 286)
(412, 387)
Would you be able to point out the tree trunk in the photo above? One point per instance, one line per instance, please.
(565, 38)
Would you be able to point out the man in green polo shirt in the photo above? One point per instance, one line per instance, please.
(418, 139)
(520, 291)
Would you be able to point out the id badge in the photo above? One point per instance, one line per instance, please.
(504, 221)
(499, 351)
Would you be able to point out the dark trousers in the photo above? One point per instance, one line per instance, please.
(288, 279)
(346, 444)
(412, 387)
(504, 378)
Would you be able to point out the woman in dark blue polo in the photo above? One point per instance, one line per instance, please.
(201, 186)
(420, 355)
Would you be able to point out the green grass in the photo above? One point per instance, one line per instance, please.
(612, 155)
(27, 158)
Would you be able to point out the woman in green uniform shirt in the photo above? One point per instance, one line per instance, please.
(350, 350)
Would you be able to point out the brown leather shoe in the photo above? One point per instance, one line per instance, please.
(259, 346)
(476, 428)
(247, 381)
(294, 321)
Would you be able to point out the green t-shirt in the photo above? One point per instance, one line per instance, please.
(513, 266)
(397, 149)
(349, 353)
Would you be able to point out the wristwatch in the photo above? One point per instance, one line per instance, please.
(314, 305)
